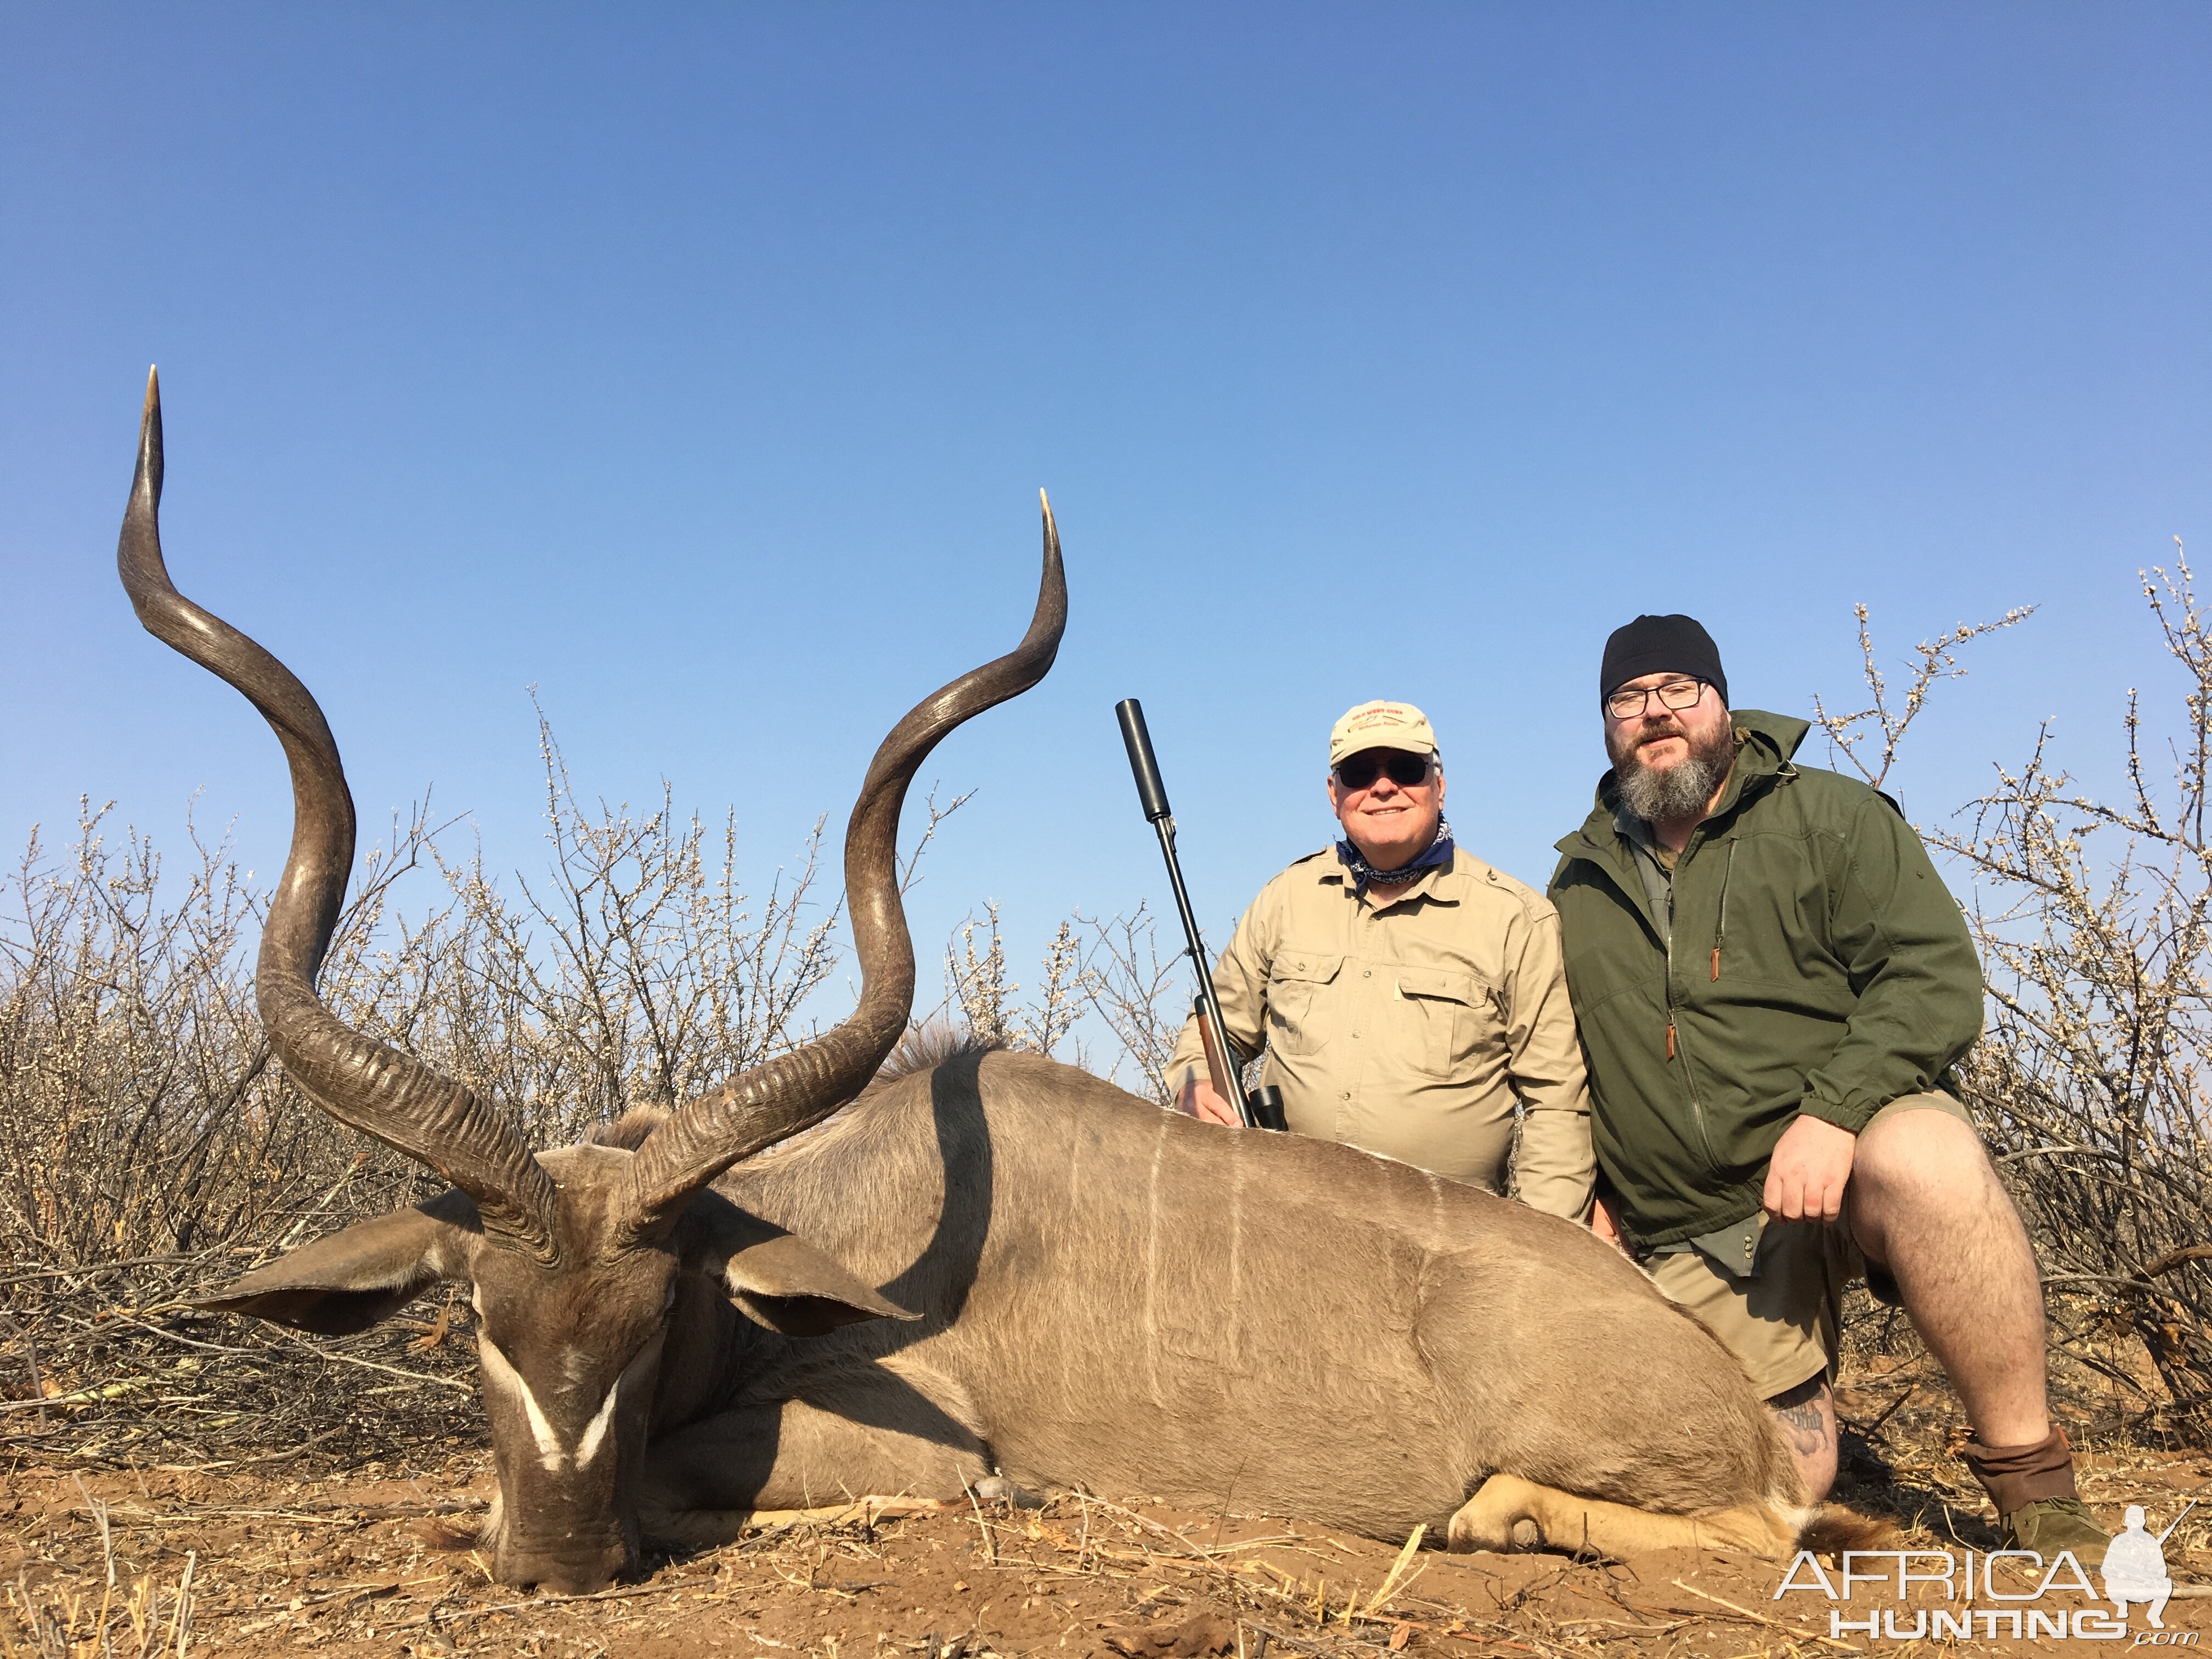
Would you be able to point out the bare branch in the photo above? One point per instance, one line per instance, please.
(1936, 660)
(2090, 1081)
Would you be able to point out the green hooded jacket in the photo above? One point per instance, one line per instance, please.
(1817, 965)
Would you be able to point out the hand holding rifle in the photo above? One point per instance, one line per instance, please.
(1199, 1098)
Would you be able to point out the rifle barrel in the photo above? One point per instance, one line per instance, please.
(1152, 794)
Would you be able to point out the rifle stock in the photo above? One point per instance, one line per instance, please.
(1221, 1071)
(1263, 1107)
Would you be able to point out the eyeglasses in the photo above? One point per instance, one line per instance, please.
(1675, 695)
(1357, 772)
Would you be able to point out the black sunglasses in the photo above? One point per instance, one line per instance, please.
(1359, 771)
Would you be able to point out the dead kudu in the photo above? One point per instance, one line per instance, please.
(997, 1263)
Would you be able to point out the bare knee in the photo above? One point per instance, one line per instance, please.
(1920, 1152)
(1917, 1170)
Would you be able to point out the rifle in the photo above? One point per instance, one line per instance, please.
(1262, 1109)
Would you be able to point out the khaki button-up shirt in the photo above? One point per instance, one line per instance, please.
(1411, 1028)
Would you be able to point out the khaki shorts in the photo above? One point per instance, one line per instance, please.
(1784, 1324)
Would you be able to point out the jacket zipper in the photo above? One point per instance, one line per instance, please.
(1786, 773)
(1674, 1048)
(1697, 1106)
(1720, 933)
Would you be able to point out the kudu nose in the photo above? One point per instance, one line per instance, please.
(564, 1580)
(576, 1584)
(584, 1573)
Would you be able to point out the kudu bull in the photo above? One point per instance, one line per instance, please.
(999, 1263)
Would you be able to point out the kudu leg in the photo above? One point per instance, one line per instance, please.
(1507, 1512)
(705, 1482)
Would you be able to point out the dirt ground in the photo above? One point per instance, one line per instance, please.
(175, 1485)
(178, 1561)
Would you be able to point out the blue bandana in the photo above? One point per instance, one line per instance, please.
(1365, 875)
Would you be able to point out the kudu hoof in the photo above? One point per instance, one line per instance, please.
(1499, 1516)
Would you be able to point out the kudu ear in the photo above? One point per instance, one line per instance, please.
(777, 1278)
(362, 1274)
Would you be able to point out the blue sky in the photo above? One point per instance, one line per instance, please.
(699, 366)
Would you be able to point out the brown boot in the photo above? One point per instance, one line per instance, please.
(2033, 1488)
(2057, 1523)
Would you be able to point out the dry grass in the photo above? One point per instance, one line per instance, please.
(2094, 924)
(148, 1151)
(365, 1564)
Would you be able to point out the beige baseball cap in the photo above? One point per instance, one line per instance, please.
(1382, 725)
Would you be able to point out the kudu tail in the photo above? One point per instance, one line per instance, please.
(1827, 1528)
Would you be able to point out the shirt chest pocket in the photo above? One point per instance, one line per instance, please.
(1298, 1023)
(1446, 1017)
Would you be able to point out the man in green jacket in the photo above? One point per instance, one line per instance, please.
(1772, 986)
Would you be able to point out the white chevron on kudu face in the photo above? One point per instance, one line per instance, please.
(552, 1456)
(595, 1431)
(640, 1369)
(497, 1370)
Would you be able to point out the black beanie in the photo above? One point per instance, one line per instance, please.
(1660, 644)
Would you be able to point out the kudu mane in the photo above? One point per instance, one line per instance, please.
(629, 1131)
(923, 1049)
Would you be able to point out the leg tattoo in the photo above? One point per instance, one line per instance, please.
(1808, 1416)
(1799, 1411)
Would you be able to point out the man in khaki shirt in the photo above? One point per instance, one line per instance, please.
(1408, 994)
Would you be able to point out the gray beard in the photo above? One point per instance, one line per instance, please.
(1680, 791)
